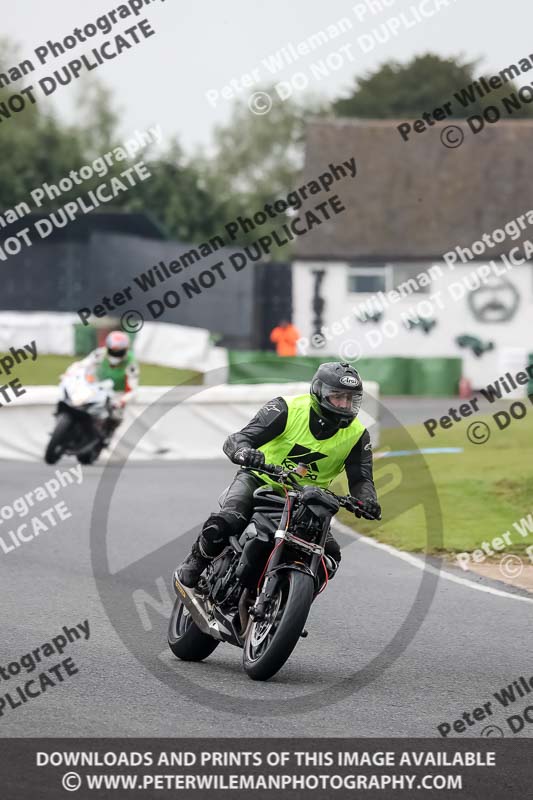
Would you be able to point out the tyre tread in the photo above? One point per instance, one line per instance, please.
(61, 427)
(193, 645)
(287, 635)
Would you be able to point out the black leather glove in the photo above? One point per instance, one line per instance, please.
(248, 457)
(369, 509)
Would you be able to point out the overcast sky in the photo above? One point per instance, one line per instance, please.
(202, 46)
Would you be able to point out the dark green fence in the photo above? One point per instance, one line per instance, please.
(432, 377)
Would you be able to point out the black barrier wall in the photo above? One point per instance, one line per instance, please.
(102, 255)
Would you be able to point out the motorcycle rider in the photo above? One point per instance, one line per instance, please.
(117, 362)
(322, 431)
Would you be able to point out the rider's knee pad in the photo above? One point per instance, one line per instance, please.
(215, 534)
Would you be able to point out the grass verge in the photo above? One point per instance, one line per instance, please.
(47, 369)
(481, 491)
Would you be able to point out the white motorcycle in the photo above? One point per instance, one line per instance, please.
(83, 417)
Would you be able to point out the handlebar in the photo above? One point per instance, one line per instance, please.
(289, 478)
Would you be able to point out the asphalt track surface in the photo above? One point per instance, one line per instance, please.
(469, 644)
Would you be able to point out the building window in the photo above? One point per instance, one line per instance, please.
(408, 276)
(369, 280)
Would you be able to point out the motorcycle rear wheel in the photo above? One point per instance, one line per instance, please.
(185, 638)
(270, 642)
(56, 445)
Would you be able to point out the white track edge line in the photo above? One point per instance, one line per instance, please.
(419, 563)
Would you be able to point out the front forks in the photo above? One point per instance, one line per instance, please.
(259, 610)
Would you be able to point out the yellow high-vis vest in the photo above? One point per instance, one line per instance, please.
(324, 458)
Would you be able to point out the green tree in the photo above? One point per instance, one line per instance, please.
(262, 154)
(257, 158)
(178, 197)
(32, 145)
(426, 82)
(98, 116)
(37, 147)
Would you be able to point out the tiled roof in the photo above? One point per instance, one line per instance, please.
(417, 198)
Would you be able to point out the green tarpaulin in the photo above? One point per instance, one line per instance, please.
(396, 376)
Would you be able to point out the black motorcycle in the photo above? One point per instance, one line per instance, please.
(258, 592)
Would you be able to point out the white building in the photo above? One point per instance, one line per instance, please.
(437, 241)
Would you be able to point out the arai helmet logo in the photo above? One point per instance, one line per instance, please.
(349, 380)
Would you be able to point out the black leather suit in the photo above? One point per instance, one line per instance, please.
(268, 423)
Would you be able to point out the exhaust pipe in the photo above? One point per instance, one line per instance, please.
(196, 609)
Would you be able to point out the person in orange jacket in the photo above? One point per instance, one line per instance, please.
(284, 336)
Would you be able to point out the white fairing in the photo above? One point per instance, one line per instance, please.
(84, 395)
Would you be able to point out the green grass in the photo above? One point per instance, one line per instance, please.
(477, 494)
(46, 370)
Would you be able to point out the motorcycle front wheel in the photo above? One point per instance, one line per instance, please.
(58, 440)
(270, 642)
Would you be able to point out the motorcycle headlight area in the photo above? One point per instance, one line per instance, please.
(80, 396)
(305, 521)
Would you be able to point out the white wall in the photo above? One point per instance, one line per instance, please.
(166, 344)
(195, 422)
(351, 337)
